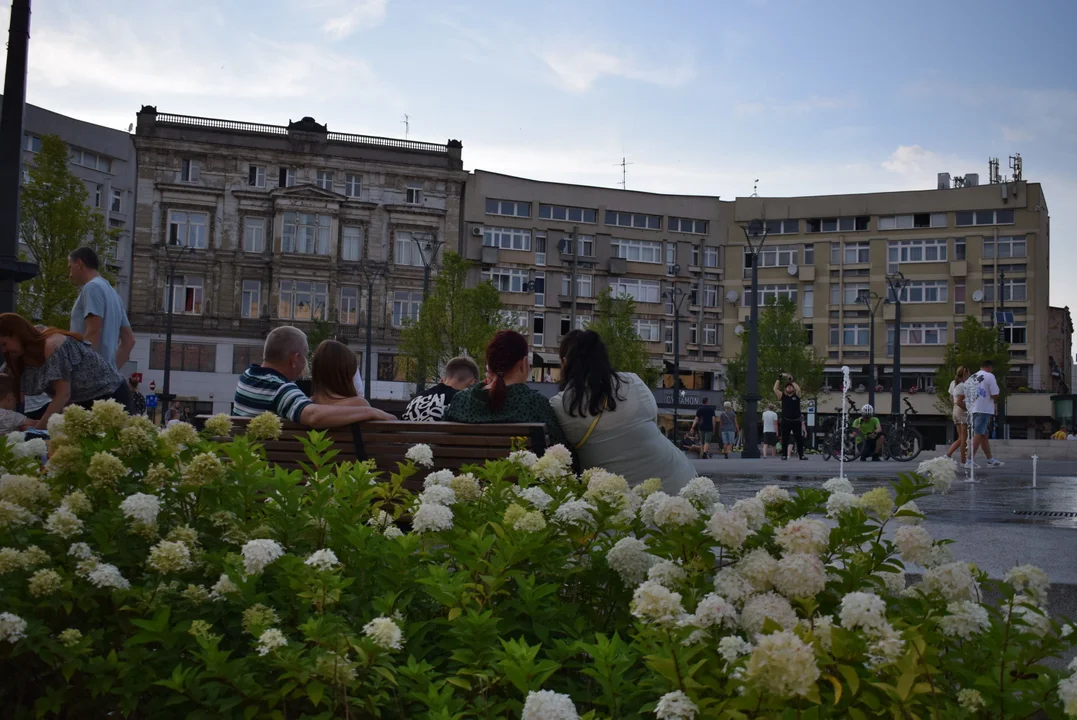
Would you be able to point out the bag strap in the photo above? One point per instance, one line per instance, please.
(591, 429)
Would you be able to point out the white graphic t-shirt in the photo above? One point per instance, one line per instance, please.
(979, 389)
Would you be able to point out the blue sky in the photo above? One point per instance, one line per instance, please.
(810, 97)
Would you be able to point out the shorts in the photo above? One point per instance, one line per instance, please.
(770, 438)
(728, 436)
(961, 417)
(981, 423)
(705, 436)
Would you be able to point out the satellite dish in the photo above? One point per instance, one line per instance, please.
(739, 330)
(978, 296)
(731, 296)
(792, 270)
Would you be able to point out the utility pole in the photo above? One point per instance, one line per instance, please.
(676, 298)
(866, 298)
(371, 273)
(755, 235)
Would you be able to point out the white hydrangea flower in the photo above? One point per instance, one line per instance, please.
(523, 458)
(169, 556)
(224, 586)
(548, 705)
(646, 510)
(257, 554)
(13, 515)
(731, 585)
(1029, 579)
(941, 471)
(783, 665)
(380, 520)
(729, 529)
(392, 532)
(431, 518)
(732, 647)
(773, 495)
(940, 555)
(324, 559)
(893, 581)
(840, 502)
(629, 559)
(676, 706)
(34, 447)
(549, 468)
(107, 576)
(863, 610)
(886, 646)
(910, 507)
(80, 551)
(63, 522)
(758, 608)
(437, 495)
(675, 512)
(953, 581)
(839, 484)
(752, 510)
(800, 575)
(385, 633)
(964, 619)
(142, 508)
(803, 536)
(758, 568)
(657, 604)
(536, 496)
(822, 630)
(714, 611)
(914, 544)
(560, 454)
(421, 455)
(1067, 693)
(970, 700)
(12, 628)
(1034, 617)
(575, 512)
(270, 640)
(439, 477)
(530, 522)
(666, 573)
(701, 491)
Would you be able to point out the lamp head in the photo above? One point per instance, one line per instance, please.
(756, 229)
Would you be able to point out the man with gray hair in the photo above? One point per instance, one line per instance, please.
(270, 387)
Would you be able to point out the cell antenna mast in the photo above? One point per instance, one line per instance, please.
(407, 125)
(624, 172)
(755, 188)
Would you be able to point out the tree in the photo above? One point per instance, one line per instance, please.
(321, 331)
(783, 348)
(974, 343)
(614, 324)
(55, 220)
(454, 320)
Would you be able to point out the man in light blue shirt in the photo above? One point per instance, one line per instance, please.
(98, 313)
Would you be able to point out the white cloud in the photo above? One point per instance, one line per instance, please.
(797, 107)
(911, 160)
(576, 69)
(347, 16)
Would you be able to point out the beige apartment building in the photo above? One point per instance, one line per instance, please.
(279, 225)
(526, 236)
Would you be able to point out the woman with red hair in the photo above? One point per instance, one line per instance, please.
(505, 396)
(60, 364)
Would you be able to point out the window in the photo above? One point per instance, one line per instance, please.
(854, 253)
(587, 245)
(538, 329)
(648, 251)
(348, 306)
(286, 177)
(1008, 247)
(984, 217)
(808, 293)
(809, 254)
(642, 291)
(770, 293)
(1016, 333)
(406, 250)
(406, 305)
(581, 322)
(97, 195)
(540, 248)
(305, 233)
(117, 201)
(302, 300)
(917, 334)
(1013, 290)
(189, 170)
(848, 293)
(686, 225)
(539, 283)
(571, 214)
(243, 356)
(254, 233)
(33, 143)
(189, 357)
(647, 330)
(256, 176)
(387, 370)
(693, 334)
(505, 280)
(511, 208)
(774, 256)
(782, 227)
(506, 238)
(710, 257)
(710, 334)
(186, 295)
(351, 243)
(250, 306)
(414, 195)
(855, 334)
(187, 228)
(906, 222)
(842, 224)
(959, 297)
(810, 332)
(923, 291)
(915, 251)
(667, 336)
(353, 185)
(85, 158)
(959, 248)
(584, 285)
(633, 220)
(324, 180)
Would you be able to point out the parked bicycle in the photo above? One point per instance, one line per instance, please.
(903, 442)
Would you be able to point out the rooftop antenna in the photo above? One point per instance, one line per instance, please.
(755, 188)
(407, 125)
(1015, 165)
(993, 172)
(624, 171)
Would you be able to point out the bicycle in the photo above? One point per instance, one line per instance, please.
(903, 441)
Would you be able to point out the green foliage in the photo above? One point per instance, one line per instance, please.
(489, 608)
(54, 221)
(454, 320)
(975, 343)
(783, 348)
(613, 322)
(321, 331)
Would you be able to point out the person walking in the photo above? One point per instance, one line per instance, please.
(960, 413)
(98, 314)
(704, 423)
(981, 395)
(138, 400)
(789, 394)
(770, 431)
(729, 428)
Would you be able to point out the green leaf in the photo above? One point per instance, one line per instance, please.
(315, 691)
(850, 677)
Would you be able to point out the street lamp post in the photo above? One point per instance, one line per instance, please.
(1000, 320)
(755, 234)
(676, 297)
(897, 283)
(866, 298)
(173, 252)
(428, 252)
(371, 273)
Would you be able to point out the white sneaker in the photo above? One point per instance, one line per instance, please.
(992, 462)
(970, 465)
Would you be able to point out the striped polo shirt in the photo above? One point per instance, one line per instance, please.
(264, 390)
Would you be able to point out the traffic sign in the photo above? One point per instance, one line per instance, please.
(153, 385)
(151, 401)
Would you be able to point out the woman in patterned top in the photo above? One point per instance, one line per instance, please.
(60, 364)
(505, 396)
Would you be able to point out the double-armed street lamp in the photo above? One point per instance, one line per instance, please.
(428, 247)
(755, 234)
(871, 300)
(897, 283)
(676, 296)
(173, 250)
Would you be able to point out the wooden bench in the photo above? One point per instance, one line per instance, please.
(453, 444)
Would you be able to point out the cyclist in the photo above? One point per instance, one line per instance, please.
(869, 427)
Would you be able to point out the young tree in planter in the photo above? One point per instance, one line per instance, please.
(628, 352)
(54, 221)
(454, 320)
(783, 348)
(975, 342)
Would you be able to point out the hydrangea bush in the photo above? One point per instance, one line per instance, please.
(167, 574)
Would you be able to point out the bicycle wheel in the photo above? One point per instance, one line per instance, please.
(905, 444)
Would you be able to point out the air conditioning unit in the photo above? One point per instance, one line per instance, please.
(972, 179)
(477, 231)
(944, 181)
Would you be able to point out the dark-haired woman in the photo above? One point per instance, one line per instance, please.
(610, 418)
(505, 397)
(332, 375)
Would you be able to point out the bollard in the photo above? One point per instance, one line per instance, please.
(1035, 458)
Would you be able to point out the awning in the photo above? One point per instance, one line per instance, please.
(838, 370)
(545, 359)
(907, 369)
(693, 366)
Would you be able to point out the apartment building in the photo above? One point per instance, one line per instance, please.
(530, 238)
(104, 159)
(279, 224)
(1060, 350)
(976, 250)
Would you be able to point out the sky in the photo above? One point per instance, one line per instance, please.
(704, 97)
